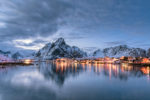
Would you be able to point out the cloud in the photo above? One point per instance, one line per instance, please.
(29, 44)
(30, 18)
(21, 20)
(72, 19)
(114, 43)
(24, 19)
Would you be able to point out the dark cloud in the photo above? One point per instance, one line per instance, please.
(31, 18)
(71, 19)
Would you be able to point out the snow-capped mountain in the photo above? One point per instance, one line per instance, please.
(7, 53)
(4, 55)
(118, 51)
(98, 53)
(59, 49)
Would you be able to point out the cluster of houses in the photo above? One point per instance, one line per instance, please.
(61, 60)
(135, 60)
(7, 60)
(97, 60)
(4, 58)
(110, 60)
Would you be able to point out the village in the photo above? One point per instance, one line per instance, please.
(89, 60)
(107, 60)
(4, 60)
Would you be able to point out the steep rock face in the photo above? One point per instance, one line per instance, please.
(77, 53)
(122, 50)
(98, 53)
(44, 51)
(59, 49)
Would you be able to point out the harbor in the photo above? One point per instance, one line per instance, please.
(18, 62)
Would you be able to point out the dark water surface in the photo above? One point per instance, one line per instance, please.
(47, 81)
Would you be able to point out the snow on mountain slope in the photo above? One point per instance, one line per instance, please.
(122, 50)
(98, 53)
(59, 49)
(15, 55)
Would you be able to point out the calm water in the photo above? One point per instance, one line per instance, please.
(47, 81)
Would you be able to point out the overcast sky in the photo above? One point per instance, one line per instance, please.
(90, 24)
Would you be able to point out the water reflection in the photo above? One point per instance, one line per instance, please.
(59, 72)
(72, 81)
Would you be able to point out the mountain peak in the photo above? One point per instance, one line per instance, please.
(60, 49)
(60, 41)
(121, 50)
(123, 46)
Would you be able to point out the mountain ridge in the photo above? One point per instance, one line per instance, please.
(58, 49)
(121, 50)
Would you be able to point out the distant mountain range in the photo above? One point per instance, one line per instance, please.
(14, 55)
(59, 49)
(122, 50)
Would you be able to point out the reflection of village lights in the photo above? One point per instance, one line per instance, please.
(145, 70)
(89, 67)
(112, 69)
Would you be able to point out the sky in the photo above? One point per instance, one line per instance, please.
(88, 24)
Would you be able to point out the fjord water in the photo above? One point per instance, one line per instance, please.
(62, 81)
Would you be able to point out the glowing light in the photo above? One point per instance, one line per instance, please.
(145, 70)
(145, 60)
(27, 61)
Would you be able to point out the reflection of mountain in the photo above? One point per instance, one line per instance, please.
(122, 72)
(59, 72)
